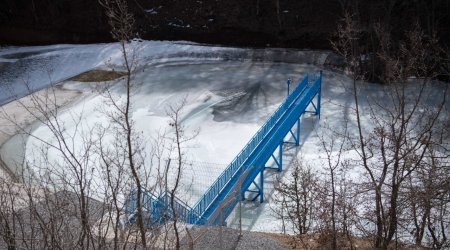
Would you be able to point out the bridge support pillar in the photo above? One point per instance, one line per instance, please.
(297, 138)
(295, 135)
(319, 95)
(259, 188)
(279, 161)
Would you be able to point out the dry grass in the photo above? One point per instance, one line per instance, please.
(97, 75)
(323, 242)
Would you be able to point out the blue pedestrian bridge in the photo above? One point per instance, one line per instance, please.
(245, 173)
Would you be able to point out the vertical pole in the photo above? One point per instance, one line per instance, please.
(288, 85)
(261, 186)
(240, 185)
(297, 141)
(220, 226)
(240, 218)
(280, 167)
(319, 94)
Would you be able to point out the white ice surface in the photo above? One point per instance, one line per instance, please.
(36, 67)
(211, 88)
(256, 87)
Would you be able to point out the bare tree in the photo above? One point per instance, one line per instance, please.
(297, 198)
(403, 123)
(68, 184)
(179, 140)
(122, 22)
(175, 123)
(427, 197)
(52, 196)
(334, 163)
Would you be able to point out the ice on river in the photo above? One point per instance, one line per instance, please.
(226, 101)
(228, 94)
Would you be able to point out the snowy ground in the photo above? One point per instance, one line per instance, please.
(229, 94)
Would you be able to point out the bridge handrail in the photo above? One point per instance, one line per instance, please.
(183, 209)
(151, 202)
(214, 190)
(307, 96)
(147, 198)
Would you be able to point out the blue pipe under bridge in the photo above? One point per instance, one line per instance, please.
(244, 169)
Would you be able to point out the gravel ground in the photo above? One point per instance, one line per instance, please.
(210, 239)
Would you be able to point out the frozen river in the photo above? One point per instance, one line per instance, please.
(225, 101)
(228, 94)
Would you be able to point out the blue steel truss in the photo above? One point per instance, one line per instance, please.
(251, 160)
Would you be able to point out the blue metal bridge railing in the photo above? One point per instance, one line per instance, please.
(237, 162)
(255, 153)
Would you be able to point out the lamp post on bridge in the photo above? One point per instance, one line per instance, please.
(288, 85)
